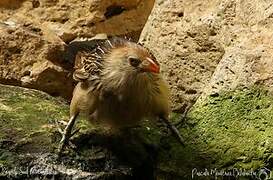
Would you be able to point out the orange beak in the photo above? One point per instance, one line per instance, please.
(151, 66)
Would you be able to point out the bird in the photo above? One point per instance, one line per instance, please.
(119, 83)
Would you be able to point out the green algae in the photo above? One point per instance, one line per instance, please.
(237, 126)
(227, 130)
(28, 118)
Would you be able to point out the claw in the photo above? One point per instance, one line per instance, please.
(63, 122)
(57, 124)
(60, 130)
(73, 146)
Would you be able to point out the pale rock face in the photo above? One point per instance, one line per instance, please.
(187, 48)
(248, 41)
(209, 46)
(34, 35)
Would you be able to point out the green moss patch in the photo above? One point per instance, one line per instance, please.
(224, 131)
(28, 121)
(237, 126)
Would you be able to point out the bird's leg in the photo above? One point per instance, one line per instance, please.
(184, 115)
(66, 134)
(182, 119)
(174, 130)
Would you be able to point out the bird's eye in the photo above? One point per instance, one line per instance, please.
(134, 61)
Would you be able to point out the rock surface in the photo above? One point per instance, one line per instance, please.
(229, 132)
(232, 131)
(31, 56)
(209, 46)
(187, 47)
(29, 139)
(34, 34)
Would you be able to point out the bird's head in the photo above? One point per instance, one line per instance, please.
(129, 57)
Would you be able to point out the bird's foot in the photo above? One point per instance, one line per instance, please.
(66, 135)
(173, 130)
(183, 116)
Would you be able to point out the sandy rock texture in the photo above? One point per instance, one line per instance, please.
(209, 46)
(245, 31)
(69, 19)
(35, 34)
(31, 56)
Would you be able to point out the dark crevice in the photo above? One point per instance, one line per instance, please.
(113, 10)
(35, 3)
(191, 91)
(181, 14)
(12, 82)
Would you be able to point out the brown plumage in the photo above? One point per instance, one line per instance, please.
(120, 84)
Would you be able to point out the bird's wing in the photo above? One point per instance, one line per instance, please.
(89, 59)
(88, 67)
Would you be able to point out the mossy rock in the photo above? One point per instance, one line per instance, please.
(229, 132)
(29, 139)
(28, 120)
(226, 131)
